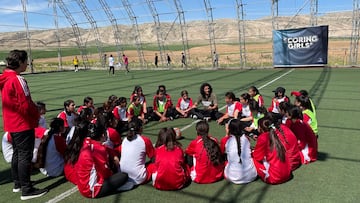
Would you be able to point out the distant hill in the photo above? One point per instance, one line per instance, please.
(226, 31)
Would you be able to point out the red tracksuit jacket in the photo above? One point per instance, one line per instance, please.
(19, 111)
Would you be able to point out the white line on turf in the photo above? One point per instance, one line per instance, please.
(63, 195)
(74, 189)
(268, 83)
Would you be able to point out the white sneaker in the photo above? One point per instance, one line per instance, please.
(15, 190)
(194, 117)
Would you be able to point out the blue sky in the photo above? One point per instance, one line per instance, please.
(40, 12)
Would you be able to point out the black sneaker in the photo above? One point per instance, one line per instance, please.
(33, 193)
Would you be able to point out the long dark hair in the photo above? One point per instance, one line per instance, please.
(285, 106)
(296, 113)
(254, 106)
(212, 147)
(73, 148)
(267, 125)
(305, 102)
(161, 137)
(235, 130)
(85, 114)
(135, 127)
(97, 130)
(170, 139)
(253, 88)
(230, 95)
(246, 96)
(136, 89)
(56, 125)
(202, 92)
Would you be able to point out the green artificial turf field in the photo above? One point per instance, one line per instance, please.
(336, 92)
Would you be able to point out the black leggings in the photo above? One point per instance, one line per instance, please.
(113, 70)
(111, 184)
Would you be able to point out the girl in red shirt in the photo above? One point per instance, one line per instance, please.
(73, 149)
(207, 160)
(169, 172)
(306, 137)
(96, 167)
(269, 155)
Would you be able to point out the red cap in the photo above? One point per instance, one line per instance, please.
(295, 93)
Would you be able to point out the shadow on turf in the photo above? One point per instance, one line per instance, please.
(5, 176)
(318, 89)
(338, 127)
(322, 156)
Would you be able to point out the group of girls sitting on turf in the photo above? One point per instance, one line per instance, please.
(86, 145)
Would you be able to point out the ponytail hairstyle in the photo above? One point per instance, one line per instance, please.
(211, 146)
(135, 127)
(161, 137)
(266, 125)
(254, 89)
(304, 102)
(170, 139)
(235, 130)
(296, 113)
(56, 127)
(97, 130)
(73, 148)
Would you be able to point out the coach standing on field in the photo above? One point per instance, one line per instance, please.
(20, 117)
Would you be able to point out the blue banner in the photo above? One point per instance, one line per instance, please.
(300, 47)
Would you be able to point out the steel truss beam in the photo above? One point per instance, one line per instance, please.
(183, 29)
(94, 27)
(313, 12)
(135, 29)
(115, 28)
(211, 30)
(76, 31)
(275, 14)
(354, 44)
(241, 27)
(28, 37)
(159, 35)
